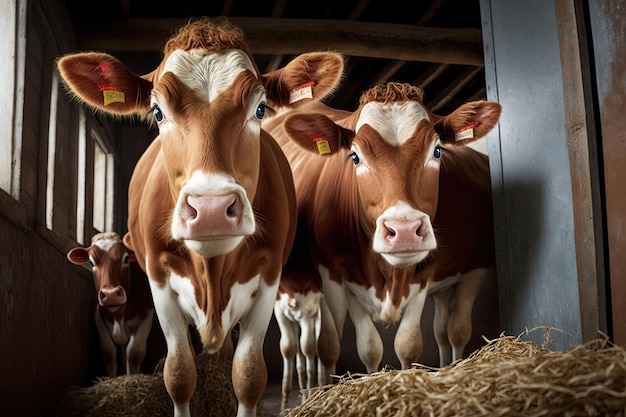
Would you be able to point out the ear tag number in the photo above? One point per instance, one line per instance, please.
(302, 92)
(322, 144)
(466, 133)
(111, 94)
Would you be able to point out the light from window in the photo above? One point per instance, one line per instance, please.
(52, 145)
(103, 198)
(81, 196)
(12, 61)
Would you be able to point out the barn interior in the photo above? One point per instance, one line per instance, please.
(556, 158)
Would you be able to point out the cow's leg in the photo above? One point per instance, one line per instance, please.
(249, 369)
(327, 344)
(308, 350)
(179, 372)
(460, 322)
(288, 348)
(108, 350)
(440, 324)
(368, 342)
(336, 300)
(301, 370)
(408, 342)
(137, 345)
(228, 348)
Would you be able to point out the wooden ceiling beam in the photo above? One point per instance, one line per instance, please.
(294, 36)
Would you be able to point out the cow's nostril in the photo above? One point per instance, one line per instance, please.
(231, 210)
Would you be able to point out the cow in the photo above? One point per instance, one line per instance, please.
(212, 208)
(306, 328)
(125, 310)
(394, 208)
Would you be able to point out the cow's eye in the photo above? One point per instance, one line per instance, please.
(260, 111)
(158, 114)
(354, 157)
(125, 259)
(437, 152)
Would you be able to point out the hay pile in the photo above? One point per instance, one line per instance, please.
(145, 395)
(506, 377)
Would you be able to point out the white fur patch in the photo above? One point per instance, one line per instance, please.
(208, 73)
(302, 306)
(106, 244)
(395, 122)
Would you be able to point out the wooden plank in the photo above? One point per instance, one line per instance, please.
(294, 36)
(583, 157)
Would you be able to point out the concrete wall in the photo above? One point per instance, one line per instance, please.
(537, 275)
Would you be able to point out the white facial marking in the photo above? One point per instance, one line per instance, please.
(106, 244)
(395, 122)
(208, 73)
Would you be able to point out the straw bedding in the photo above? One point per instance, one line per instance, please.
(145, 395)
(506, 377)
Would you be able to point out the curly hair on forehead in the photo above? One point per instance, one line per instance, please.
(392, 92)
(211, 34)
(105, 236)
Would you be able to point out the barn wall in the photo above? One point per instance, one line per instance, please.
(608, 30)
(46, 305)
(47, 330)
(540, 284)
(48, 339)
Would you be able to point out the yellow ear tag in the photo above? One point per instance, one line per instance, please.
(466, 133)
(302, 92)
(322, 144)
(113, 96)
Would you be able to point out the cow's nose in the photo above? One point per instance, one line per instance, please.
(403, 234)
(208, 216)
(114, 296)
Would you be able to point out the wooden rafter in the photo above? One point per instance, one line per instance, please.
(294, 36)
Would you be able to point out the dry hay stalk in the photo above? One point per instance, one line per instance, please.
(506, 377)
(145, 395)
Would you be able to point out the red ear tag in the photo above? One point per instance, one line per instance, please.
(466, 133)
(302, 92)
(111, 94)
(322, 144)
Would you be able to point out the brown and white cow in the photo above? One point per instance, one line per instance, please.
(395, 208)
(212, 209)
(307, 330)
(125, 310)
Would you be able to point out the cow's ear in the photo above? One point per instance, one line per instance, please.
(469, 122)
(317, 133)
(104, 83)
(127, 241)
(310, 76)
(78, 256)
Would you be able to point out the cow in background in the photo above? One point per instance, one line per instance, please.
(212, 208)
(307, 330)
(394, 208)
(125, 309)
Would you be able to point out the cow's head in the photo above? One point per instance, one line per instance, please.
(207, 98)
(110, 261)
(395, 145)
